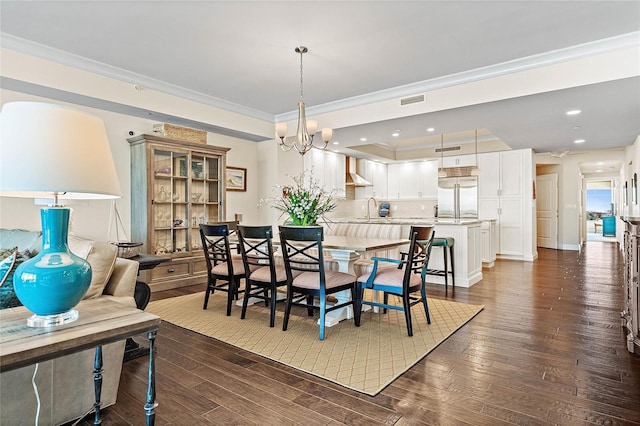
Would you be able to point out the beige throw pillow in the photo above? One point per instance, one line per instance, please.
(102, 258)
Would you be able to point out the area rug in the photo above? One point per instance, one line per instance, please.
(365, 358)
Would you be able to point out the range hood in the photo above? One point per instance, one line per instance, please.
(353, 178)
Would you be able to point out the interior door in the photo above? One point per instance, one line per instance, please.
(547, 210)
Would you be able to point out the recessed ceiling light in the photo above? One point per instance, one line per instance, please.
(363, 139)
(599, 163)
(576, 127)
(336, 143)
(573, 112)
(431, 129)
(395, 134)
(579, 141)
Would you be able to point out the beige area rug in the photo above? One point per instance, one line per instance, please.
(365, 358)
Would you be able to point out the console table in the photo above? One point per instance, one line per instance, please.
(101, 322)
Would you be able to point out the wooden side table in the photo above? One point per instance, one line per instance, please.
(101, 322)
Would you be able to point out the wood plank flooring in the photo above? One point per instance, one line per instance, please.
(547, 349)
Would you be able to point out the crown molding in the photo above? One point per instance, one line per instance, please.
(483, 73)
(45, 52)
(517, 65)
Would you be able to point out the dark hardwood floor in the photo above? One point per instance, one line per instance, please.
(547, 349)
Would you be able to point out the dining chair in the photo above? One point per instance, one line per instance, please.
(403, 281)
(264, 276)
(308, 278)
(222, 265)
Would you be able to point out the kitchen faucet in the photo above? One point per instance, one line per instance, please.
(369, 211)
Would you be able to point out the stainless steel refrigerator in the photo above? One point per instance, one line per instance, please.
(458, 197)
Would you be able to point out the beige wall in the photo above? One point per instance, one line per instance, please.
(91, 218)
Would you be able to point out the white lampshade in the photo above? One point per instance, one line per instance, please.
(312, 127)
(327, 133)
(47, 149)
(281, 129)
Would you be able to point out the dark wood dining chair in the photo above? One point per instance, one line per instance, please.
(264, 276)
(307, 277)
(222, 265)
(404, 281)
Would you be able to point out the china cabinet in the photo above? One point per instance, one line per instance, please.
(175, 186)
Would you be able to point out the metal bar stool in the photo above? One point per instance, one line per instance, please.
(445, 243)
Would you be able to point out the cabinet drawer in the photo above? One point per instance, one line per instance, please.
(200, 266)
(170, 270)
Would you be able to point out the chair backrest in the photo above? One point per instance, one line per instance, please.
(256, 247)
(215, 244)
(419, 251)
(302, 250)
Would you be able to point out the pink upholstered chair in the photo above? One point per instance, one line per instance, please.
(307, 277)
(221, 264)
(404, 281)
(265, 276)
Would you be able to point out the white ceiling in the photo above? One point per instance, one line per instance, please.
(239, 55)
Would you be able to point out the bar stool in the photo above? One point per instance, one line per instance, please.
(445, 243)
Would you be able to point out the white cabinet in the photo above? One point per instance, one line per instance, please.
(459, 160)
(376, 173)
(329, 168)
(413, 180)
(503, 195)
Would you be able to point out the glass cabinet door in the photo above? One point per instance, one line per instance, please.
(205, 194)
(170, 202)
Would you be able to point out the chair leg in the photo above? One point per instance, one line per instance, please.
(266, 296)
(230, 295)
(386, 302)
(287, 309)
(210, 290)
(272, 302)
(423, 292)
(453, 271)
(406, 302)
(323, 311)
(446, 274)
(310, 305)
(245, 299)
(356, 296)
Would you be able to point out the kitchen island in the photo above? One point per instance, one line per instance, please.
(467, 235)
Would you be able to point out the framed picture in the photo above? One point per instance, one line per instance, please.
(236, 179)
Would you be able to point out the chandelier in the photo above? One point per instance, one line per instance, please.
(303, 140)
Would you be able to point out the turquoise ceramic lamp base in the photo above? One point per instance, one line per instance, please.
(53, 282)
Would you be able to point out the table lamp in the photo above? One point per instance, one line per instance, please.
(50, 151)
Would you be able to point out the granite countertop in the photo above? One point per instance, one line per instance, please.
(406, 221)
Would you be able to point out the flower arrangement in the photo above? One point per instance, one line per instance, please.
(304, 202)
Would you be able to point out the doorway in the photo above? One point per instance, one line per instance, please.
(600, 221)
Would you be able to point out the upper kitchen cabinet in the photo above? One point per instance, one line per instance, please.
(413, 180)
(459, 160)
(376, 173)
(328, 167)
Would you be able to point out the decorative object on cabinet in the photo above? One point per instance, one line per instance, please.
(70, 151)
(303, 140)
(180, 133)
(236, 179)
(167, 209)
